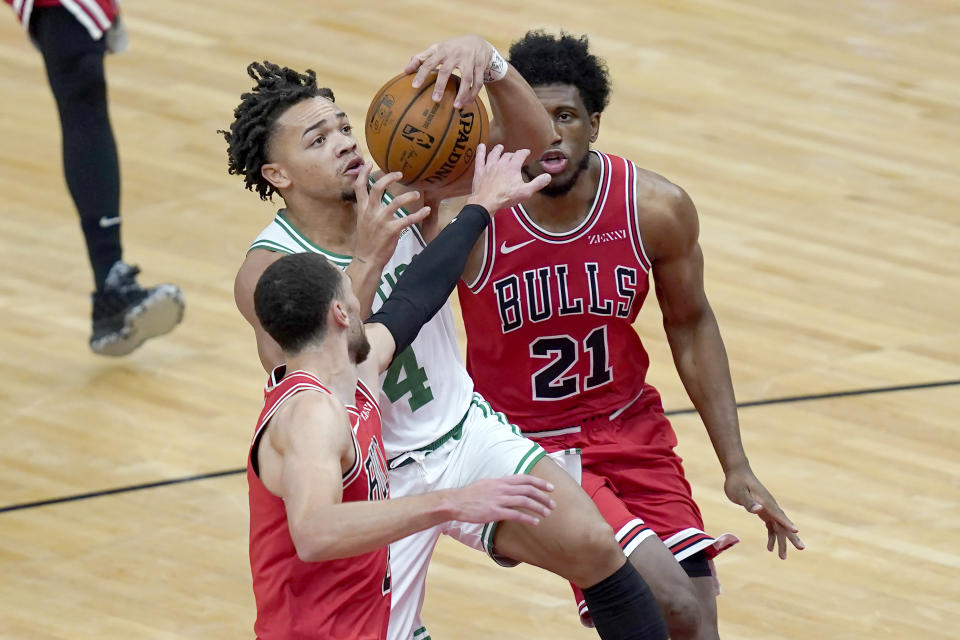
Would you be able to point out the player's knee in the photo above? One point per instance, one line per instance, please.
(681, 611)
(597, 554)
(80, 82)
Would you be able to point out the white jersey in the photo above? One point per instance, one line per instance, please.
(426, 391)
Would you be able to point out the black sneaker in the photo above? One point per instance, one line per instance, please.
(125, 314)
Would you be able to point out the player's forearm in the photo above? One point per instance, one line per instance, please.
(431, 277)
(352, 528)
(365, 277)
(702, 364)
(519, 119)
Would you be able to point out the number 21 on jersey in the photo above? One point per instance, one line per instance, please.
(552, 382)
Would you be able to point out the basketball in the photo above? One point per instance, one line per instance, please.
(431, 143)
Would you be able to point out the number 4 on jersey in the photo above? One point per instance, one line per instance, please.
(405, 376)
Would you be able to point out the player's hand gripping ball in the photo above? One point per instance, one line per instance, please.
(431, 143)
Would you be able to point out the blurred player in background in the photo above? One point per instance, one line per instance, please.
(74, 36)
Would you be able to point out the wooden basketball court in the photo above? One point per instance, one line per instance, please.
(820, 142)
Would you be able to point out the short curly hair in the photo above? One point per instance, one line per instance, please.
(542, 59)
(248, 141)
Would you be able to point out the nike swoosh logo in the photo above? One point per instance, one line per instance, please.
(109, 222)
(504, 249)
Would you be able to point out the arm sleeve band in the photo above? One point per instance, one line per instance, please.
(431, 276)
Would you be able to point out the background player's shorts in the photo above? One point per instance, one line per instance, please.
(630, 471)
(487, 447)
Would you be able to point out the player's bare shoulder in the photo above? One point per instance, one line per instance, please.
(666, 215)
(310, 424)
(253, 266)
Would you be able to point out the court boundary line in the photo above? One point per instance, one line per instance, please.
(676, 412)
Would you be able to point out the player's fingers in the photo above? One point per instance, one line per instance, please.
(777, 514)
(495, 154)
(400, 201)
(428, 66)
(468, 79)
(513, 515)
(471, 80)
(795, 540)
(542, 497)
(530, 188)
(443, 75)
(418, 63)
(479, 68)
(414, 218)
(781, 544)
(527, 479)
(360, 184)
(519, 157)
(479, 163)
(526, 504)
(380, 186)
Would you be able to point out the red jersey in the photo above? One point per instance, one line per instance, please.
(345, 598)
(95, 15)
(548, 320)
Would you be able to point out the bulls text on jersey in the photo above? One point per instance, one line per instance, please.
(545, 292)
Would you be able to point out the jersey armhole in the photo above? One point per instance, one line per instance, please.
(269, 245)
(255, 448)
(633, 215)
(368, 394)
(354, 471)
(486, 265)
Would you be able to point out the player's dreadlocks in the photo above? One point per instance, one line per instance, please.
(248, 141)
(546, 59)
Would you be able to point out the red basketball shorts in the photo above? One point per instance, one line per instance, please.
(632, 474)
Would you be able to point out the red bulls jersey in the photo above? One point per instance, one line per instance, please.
(96, 15)
(346, 598)
(548, 319)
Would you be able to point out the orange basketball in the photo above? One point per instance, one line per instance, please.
(431, 143)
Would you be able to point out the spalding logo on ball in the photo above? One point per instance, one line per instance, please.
(431, 143)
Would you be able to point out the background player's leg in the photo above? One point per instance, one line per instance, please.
(124, 313)
(706, 590)
(575, 542)
(656, 564)
(74, 63)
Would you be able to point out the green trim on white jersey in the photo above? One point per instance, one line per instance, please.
(421, 634)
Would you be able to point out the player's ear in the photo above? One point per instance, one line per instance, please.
(276, 175)
(594, 126)
(338, 313)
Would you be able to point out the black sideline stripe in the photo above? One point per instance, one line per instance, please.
(832, 394)
(231, 472)
(110, 492)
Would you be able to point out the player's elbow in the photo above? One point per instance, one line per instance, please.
(311, 546)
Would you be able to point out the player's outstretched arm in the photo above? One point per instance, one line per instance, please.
(301, 457)
(671, 231)
(378, 230)
(427, 283)
(351, 528)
